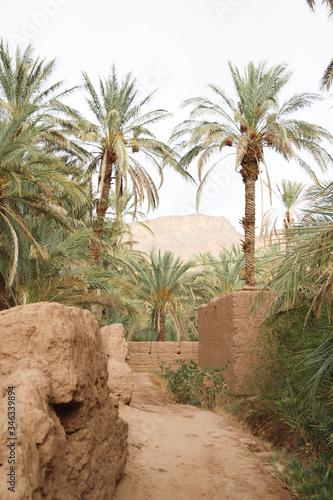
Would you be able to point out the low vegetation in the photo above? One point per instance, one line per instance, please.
(194, 386)
(278, 404)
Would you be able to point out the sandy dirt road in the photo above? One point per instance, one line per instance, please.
(179, 452)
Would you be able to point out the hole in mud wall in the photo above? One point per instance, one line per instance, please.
(69, 415)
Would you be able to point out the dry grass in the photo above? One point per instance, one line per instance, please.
(162, 386)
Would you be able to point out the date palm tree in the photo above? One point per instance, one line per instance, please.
(25, 87)
(167, 285)
(305, 271)
(32, 180)
(122, 144)
(290, 195)
(226, 271)
(304, 275)
(68, 274)
(254, 122)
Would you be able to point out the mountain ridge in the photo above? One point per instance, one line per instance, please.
(186, 235)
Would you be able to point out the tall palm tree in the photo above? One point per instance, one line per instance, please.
(166, 285)
(252, 123)
(290, 195)
(68, 274)
(306, 271)
(121, 141)
(24, 87)
(31, 180)
(305, 275)
(226, 271)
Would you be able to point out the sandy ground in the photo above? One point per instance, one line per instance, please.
(179, 452)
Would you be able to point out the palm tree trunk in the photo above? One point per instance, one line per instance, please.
(4, 294)
(161, 336)
(248, 223)
(156, 322)
(104, 198)
(90, 188)
(288, 222)
(103, 201)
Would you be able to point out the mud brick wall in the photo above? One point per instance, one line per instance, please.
(150, 354)
(226, 329)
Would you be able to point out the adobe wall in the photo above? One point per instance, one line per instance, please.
(148, 355)
(226, 328)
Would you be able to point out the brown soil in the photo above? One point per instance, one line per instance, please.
(179, 452)
(266, 424)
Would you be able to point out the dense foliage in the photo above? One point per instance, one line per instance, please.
(191, 385)
(69, 184)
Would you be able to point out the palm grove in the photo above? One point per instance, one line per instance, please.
(67, 180)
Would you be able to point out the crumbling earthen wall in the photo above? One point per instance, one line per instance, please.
(67, 440)
(120, 379)
(226, 328)
(150, 354)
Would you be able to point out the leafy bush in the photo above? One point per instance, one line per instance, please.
(276, 352)
(311, 420)
(294, 379)
(191, 385)
(313, 481)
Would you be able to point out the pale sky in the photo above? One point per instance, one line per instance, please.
(179, 47)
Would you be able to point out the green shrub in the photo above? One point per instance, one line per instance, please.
(313, 481)
(191, 385)
(287, 358)
(275, 353)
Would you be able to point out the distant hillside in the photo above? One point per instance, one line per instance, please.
(186, 235)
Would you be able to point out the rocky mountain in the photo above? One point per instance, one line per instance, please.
(186, 235)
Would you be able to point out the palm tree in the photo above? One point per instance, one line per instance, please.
(289, 195)
(226, 271)
(24, 88)
(305, 272)
(122, 140)
(68, 274)
(166, 285)
(254, 122)
(31, 180)
(305, 275)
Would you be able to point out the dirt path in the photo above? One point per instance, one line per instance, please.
(180, 452)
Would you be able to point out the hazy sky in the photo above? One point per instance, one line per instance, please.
(179, 46)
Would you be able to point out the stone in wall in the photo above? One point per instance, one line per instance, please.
(120, 380)
(71, 444)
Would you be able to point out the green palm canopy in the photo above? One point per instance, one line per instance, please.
(253, 122)
(168, 285)
(122, 143)
(290, 196)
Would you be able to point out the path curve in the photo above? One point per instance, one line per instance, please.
(179, 452)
